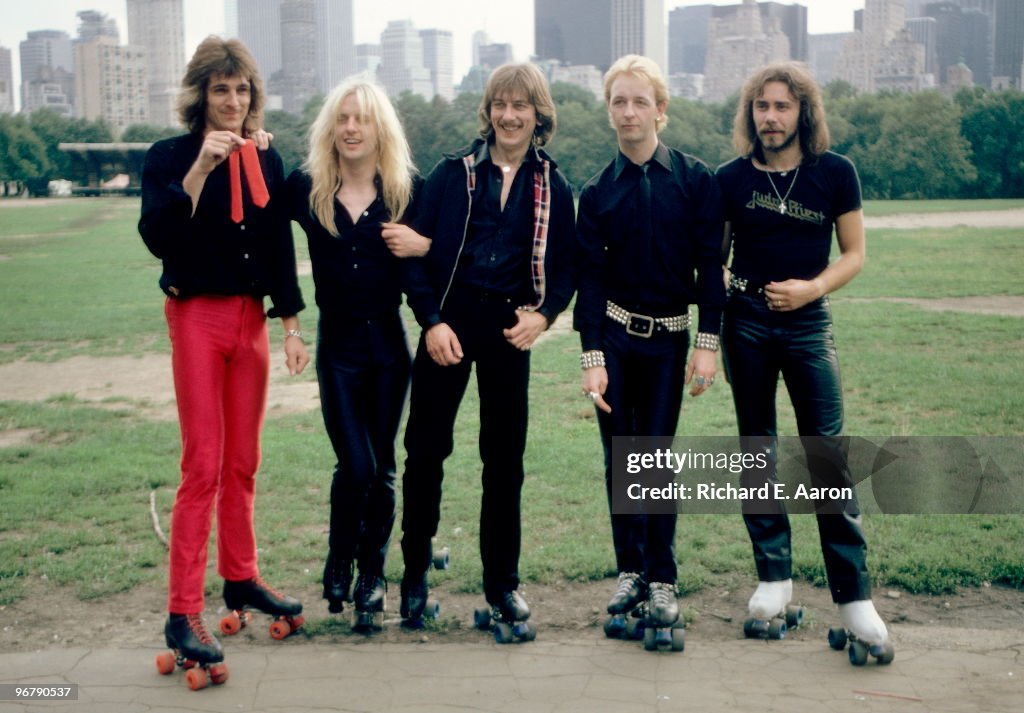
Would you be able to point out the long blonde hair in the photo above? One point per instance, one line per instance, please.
(394, 159)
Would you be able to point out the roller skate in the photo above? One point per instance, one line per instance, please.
(662, 628)
(194, 649)
(626, 621)
(507, 618)
(865, 631)
(371, 600)
(254, 593)
(416, 604)
(337, 583)
(771, 614)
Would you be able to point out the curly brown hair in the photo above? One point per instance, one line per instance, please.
(813, 129)
(230, 58)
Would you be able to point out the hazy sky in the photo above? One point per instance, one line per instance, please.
(503, 21)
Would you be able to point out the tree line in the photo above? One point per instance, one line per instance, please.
(921, 145)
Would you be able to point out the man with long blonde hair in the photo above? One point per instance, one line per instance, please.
(784, 195)
(498, 273)
(357, 183)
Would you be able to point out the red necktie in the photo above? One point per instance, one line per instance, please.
(253, 176)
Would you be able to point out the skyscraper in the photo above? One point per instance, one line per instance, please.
(259, 28)
(1009, 43)
(298, 79)
(401, 68)
(159, 26)
(638, 27)
(6, 82)
(336, 50)
(437, 58)
(739, 43)
(576, 32)
(688, 29)
(47, 72)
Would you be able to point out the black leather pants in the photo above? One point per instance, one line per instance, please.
(363, 369)
(758, 346)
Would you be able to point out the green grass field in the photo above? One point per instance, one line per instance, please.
(75, 279)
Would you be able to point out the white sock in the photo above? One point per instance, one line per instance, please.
(770, 599)
(861, 619)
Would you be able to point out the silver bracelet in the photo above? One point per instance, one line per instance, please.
(706, 340)
(592, 358)
(294, 333)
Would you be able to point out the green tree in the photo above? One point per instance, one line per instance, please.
(993, 124)
(54, 129)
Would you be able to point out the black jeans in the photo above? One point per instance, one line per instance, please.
(363, 369)
(758, 345)
(645, 391)
(503, 376)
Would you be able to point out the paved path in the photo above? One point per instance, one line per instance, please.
(974, 671)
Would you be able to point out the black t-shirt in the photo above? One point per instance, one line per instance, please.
(769, 245)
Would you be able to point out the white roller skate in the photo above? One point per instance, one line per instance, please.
(771, 614)
(865, 631)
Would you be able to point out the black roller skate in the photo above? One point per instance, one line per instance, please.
(194, 649)
(416, 604)
(254, 593)
(371, 600)
(625, 620)
(662, 628)
(337, 583)
(508, 616)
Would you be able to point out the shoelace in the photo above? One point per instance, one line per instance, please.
(662, 594)
(195, 623)
(258, 581)
(626, 582)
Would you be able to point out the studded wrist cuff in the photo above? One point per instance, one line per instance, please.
(706, 340)
(592, 358)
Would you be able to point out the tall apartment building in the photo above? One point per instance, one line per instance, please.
(6, 82)
(437, 58)
(159, 26)
(1009, 44)
(882, 54)
(367, 59)
(401, 67)
(738, 44)
(47, 72)
(688, 29)
(823, 51)
(925, 32)
(110, 78)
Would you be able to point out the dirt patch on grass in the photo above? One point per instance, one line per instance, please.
(49, 617)
(19, 437)
(1006, 305)
(1012, 218)
(144, 383)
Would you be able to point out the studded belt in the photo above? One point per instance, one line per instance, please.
(641, 325)
(740, 284)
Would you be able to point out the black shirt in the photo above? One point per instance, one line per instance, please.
(355, 274)
(678, 265)
(499, 243)
(771, 246)
(208, 253)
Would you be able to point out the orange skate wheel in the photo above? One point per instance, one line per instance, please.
(297, 622)
(231, 624)
(280, 629)
(196, 678)
(165, 662)
(188, 663)
(218, 673)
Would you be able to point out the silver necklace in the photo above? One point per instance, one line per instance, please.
(783, 198)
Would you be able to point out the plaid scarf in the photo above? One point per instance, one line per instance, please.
(541, 220)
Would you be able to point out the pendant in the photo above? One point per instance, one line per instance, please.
(782, 207)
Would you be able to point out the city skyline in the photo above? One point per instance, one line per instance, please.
(502, 23)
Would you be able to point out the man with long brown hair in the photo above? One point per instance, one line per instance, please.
(499, 271)
(783, 196)
(225, 244)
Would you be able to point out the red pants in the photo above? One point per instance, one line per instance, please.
(220, 358)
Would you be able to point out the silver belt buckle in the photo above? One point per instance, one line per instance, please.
(645, 328)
